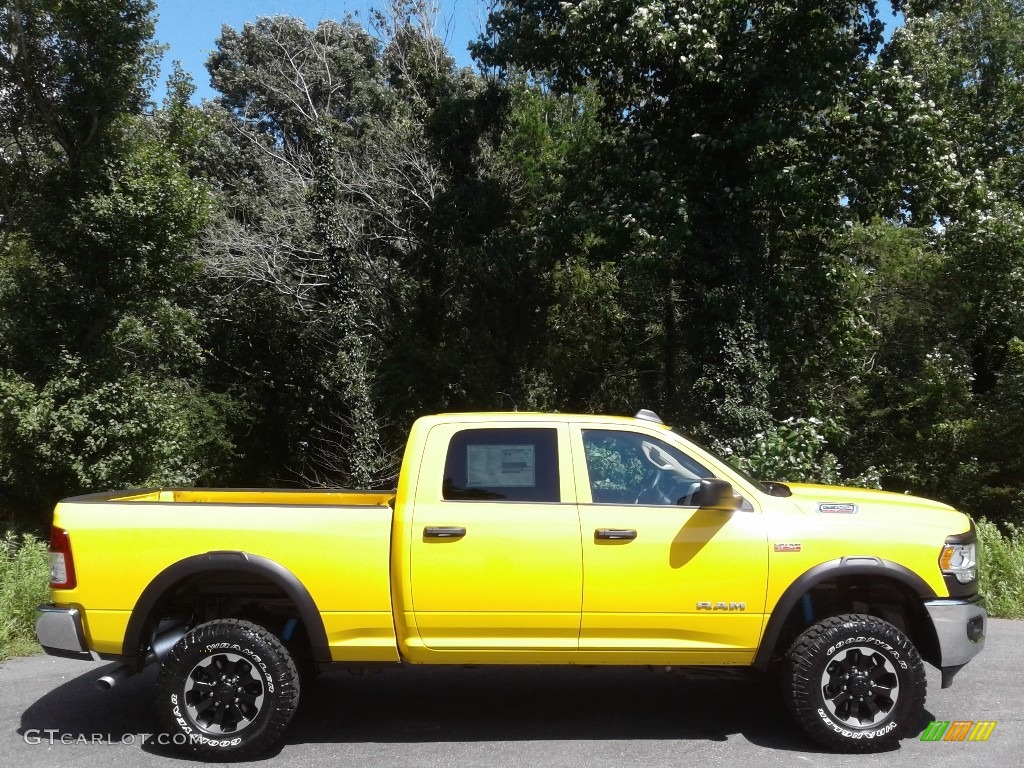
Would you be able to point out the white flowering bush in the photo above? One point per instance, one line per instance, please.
(794, 450)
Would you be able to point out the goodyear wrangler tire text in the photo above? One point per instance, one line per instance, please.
(854, 683)
(227, 690)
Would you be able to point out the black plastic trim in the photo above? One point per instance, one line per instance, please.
(964, 538)
(226, 561)
(443, 532)
(845, 566)
(956, 589)
(778, 489)
(615, 534)
(948, 673)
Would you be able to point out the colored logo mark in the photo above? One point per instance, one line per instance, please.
(958, 730)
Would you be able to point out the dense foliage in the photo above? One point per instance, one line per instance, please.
(795, 239)
(24, 577)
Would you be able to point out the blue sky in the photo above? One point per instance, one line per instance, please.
(190, 27)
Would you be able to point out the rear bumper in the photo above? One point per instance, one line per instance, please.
(59, 631)
(960, 626)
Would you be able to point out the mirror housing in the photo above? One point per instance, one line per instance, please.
(716, 495)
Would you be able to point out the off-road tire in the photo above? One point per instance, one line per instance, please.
(854, 683)
(227, 690)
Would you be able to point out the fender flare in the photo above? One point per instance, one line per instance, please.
(227, 561)
(831, 569)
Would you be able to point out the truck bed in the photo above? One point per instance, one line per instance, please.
(334, 542)
(269, 496)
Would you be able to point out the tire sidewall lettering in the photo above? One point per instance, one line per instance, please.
(833, 650)
(253, 656)
(826, 643)
(846, 733)
(271, 665)
(882, 645)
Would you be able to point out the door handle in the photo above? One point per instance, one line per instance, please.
(443, 532)
(615, 534)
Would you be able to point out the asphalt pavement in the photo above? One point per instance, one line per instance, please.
(52, 716)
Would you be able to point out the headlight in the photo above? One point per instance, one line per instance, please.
(961, 561)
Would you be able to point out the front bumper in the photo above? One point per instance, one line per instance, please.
(59, 631)
(960, 626)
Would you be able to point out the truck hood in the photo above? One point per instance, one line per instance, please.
(869, 506)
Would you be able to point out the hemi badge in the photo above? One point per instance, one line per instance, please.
(838, 509)
(787, 547)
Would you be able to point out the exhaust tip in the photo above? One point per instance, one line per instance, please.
(113, 677)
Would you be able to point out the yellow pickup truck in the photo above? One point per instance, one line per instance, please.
(518, 538)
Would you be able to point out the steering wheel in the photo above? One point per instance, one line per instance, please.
(652, 494)
(672, 483)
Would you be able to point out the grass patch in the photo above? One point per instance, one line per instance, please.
(1002, 569)
(24, 584)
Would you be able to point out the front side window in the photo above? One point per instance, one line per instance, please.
(502, 465)
(633, 468)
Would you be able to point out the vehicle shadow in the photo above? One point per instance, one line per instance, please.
(77, 709)
(534, 703)
(456, 704)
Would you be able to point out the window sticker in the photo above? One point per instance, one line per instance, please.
(501, 466)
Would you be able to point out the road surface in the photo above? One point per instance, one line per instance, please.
(51, 716)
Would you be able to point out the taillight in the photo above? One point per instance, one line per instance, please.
(62, 565)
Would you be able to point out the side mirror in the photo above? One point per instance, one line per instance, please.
(717, 495)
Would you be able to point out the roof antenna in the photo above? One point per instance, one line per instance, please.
(648, 415)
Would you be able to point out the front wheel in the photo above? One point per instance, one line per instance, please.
(855, 683)
(227, 690)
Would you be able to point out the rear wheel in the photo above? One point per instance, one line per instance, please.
(227, 690)
(854, 683)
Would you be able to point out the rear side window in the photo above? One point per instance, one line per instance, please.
(502, 465)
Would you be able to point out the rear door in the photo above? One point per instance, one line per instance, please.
(496, 559)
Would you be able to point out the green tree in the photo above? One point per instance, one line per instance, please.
(720, 177)
(331, 127)
(99, 352)
(944, 277)
(70, 68)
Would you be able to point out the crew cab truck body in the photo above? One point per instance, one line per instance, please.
(520, 539)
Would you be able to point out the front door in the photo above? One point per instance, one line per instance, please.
(659, 573)
(495, 558)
